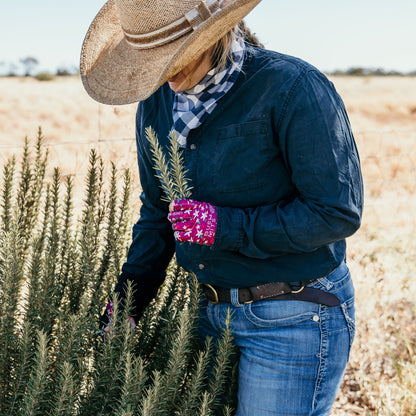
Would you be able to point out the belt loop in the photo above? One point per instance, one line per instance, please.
(234, 297)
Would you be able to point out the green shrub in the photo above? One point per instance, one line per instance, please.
(56, 272)
(45, 76)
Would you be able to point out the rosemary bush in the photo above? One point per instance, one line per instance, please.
(56, 272)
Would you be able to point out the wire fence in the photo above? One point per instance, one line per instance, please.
(388, 160)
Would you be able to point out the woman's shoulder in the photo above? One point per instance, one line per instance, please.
(158, 105)
(266, 60)
(162, 95)
(284, 71)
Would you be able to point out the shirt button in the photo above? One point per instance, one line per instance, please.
(316, 318)
(201, 266)
(192, 146)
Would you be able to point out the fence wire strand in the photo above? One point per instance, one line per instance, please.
(388, 160)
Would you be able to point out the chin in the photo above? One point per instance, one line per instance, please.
(174, 87)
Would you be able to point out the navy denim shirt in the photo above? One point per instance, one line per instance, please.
(277, 158)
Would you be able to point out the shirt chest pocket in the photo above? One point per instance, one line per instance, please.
(242, 157)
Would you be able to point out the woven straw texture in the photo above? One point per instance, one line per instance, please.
(114, 72)
(143, 17)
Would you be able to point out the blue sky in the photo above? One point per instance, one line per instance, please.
(331, 34)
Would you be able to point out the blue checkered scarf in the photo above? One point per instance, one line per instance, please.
(192, 107)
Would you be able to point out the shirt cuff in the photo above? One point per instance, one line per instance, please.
(229, 234)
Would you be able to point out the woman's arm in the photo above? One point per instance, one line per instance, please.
(319, 149)
(153, 244)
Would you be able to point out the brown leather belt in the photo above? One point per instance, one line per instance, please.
(270, 291)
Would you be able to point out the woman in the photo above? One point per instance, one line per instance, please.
(276, 189)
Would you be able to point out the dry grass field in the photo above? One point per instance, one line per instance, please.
(381, 377)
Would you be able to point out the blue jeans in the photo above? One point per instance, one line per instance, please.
(293, 353)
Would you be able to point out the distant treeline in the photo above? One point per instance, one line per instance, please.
(43, 75)
(361, 71)
(27, 67)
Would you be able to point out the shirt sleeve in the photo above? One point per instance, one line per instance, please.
(153, 243)
(315, 136)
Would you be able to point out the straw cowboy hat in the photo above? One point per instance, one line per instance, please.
(134, 46)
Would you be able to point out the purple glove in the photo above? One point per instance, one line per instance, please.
(106, 318)
(193, 221)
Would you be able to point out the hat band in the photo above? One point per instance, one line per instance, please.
(189, 22)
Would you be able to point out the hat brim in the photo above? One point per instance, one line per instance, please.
(113, 72)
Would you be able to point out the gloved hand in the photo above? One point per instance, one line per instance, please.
(106, 316)
(193, 221)
(105, 319)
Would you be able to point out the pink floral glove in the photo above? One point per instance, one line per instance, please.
(193, 221)
(106, 318)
